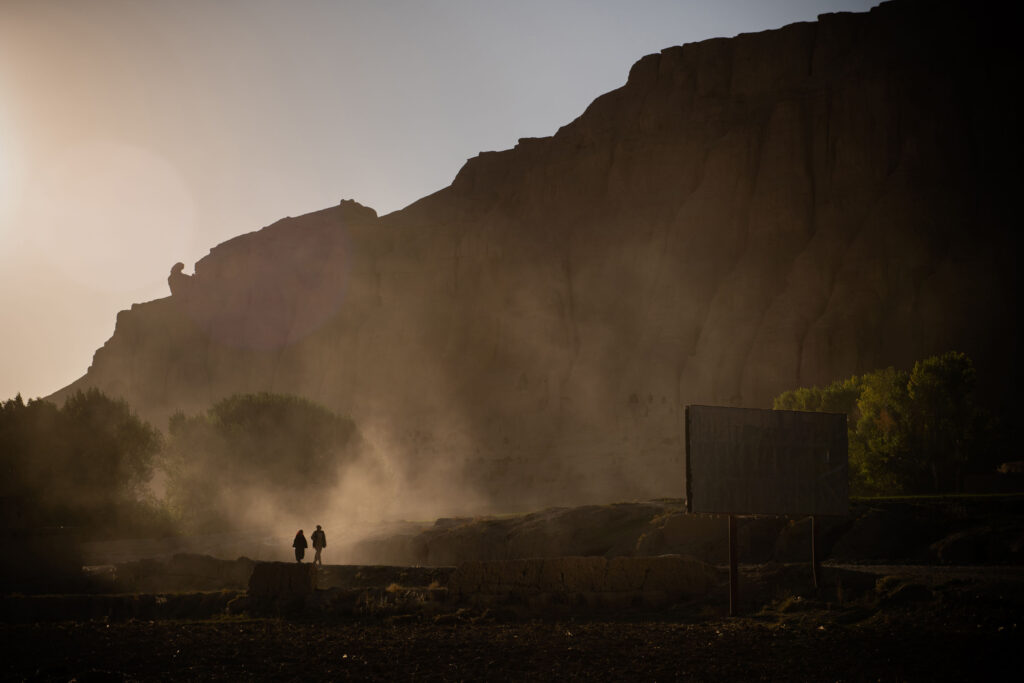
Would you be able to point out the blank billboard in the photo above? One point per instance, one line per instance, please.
(769, 462)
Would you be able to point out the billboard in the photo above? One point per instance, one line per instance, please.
(768, 462)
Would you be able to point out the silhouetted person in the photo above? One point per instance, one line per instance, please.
(319, 539)
(300, 546)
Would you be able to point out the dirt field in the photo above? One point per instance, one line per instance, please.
(959, 631)
(730, 650)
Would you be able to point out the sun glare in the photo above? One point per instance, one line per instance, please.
(8, 189)
(111, 216)
(6, 178)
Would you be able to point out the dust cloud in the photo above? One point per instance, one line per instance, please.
(368, 484)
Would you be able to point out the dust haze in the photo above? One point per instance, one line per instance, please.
(529, 335)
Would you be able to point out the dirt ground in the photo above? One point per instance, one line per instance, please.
(962, 633)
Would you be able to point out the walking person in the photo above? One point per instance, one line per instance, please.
(300, 546)
(319, 539)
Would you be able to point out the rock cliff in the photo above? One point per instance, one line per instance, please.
(743, 216)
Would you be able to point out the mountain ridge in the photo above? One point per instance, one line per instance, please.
(744, 215)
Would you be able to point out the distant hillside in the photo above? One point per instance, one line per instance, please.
(743, 216)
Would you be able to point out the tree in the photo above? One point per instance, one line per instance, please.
(839, 397)
(881, 458)
(255, 452)
(949, 429)
(84, 464)
(107, 445)
(909, 432)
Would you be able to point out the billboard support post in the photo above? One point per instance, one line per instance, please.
(815, 565)
(733, 569)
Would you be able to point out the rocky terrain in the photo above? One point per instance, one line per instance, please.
(595, 547)
(906, 647)
(891, 629)
(950, 530)
(741, 217)
(598, 599)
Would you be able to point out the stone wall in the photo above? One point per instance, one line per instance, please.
(180, 572)
(282, 580)
(587, 581)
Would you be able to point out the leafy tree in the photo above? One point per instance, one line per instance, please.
(84, 464)
(838, 397)
(948, 428)
(251, 452)
(801, 398)
(26, 441)
(881, 458)
(106, 445)
(909, 432)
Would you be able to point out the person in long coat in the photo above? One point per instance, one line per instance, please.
(319, 539)
(300, 546)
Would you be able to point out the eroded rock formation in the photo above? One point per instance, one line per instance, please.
(743, 216)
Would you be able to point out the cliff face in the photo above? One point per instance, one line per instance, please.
(743, 216)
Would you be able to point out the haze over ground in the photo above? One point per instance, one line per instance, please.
(135, 135)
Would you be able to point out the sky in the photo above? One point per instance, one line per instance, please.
(135, 134)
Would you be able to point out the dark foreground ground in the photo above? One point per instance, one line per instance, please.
(966, 638)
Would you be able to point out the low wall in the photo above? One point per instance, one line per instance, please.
(592, 581)
(182, 572)
(282, 580)
(532, 583)
(380, 576)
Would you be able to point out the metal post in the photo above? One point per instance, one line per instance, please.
(734, 605)
(814, 549)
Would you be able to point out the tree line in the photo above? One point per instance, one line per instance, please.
(90, 463)
(84, 464)
(910, 432)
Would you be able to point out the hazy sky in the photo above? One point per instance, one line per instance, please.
(138, 133)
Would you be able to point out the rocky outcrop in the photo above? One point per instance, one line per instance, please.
(743, 216)
(590, 530)
(979, 530)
